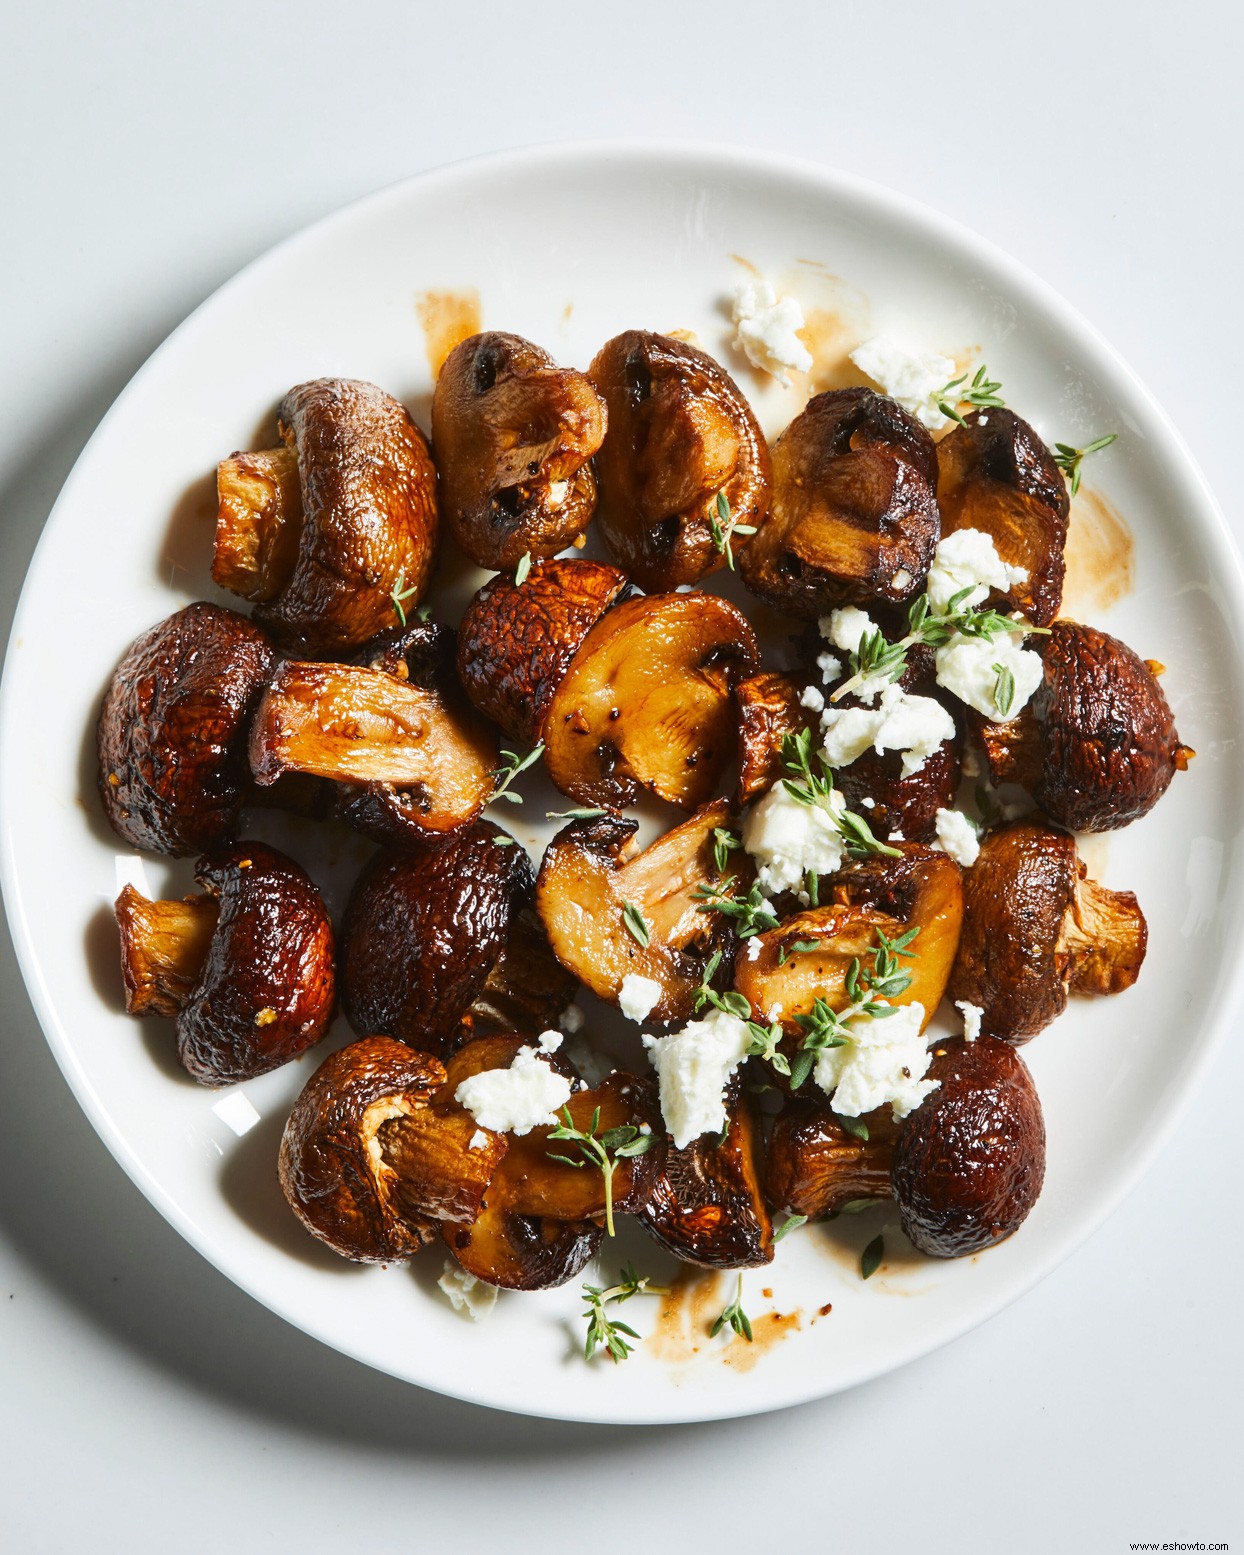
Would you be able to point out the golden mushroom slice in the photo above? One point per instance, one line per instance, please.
(610, 911)
(769, 710)
(683, 464)
(514, 436)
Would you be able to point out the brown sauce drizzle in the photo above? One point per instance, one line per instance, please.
(687, 1313)
(448, 318)
(769, 1329)
(1101, 557)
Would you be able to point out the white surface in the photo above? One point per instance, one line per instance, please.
(152, 157)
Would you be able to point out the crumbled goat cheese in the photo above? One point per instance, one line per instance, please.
(787, 838)
(914, 725)
(479, 1140)
(845, 629)
(471, 1297)
(971, 1019)
(884, 1060)
(896, 836)
(968, 559)
(549, 1041)
(902, 579)
(517, 1099)
(557, 493)
(810, 697)
(753, 948)
(868, 802)
(693, 1067)
(968, 668)
(830, 667)
(638, 996)
(914, 381)
(957, 836)
(571, 1020)
(766, 326)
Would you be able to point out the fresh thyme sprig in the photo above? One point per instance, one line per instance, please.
(585, 814)
(722, 527)
(1069, 459)
(791, 1223)
(870, 1258)
(764, 1039)
(866, 987)
(400, 594)
(801, 947)
(600, 1150)
(523, 568)
(636, 924)
(509, 770)
(605, 1333)
(724, 844)
(982, 393)
(1004, 688)
(735, 1316)
(810, 787)
(752, 914)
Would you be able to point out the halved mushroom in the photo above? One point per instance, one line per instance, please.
(1097, 745)
(395, 731)
(769, 710)
(969, 1162)
(996, 475)
(522, 1252)
(516, 641)
(173, 773)
(854, 516)
(875, 787)
(1036, 928)
(247, 969)
(706, 1204)
(600, 899)
(814, 1165)
(332, 1166)
(681, 436)
(514, 436)
(648, 703)
(437, 935)
(324, 556)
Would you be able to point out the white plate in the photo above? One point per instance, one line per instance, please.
(629, 237)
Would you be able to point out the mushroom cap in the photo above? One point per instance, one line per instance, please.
(814, 1165)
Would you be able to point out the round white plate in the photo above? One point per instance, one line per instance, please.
(569, 246)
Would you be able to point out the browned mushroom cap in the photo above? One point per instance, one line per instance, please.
(906, 805)
(706, 1204)
(1097, 744)
(514, 434)
(681, 436)
(970, 1160)
(426, 932)
(814, 1165)
(516, 641)
(648, 702)
(769, 710)
(173, 773)
(996, 475)
(592, 874)
(522, 1252)
(395, 731)
(332, 1167)
(1035, 927)
(854, 516)
(323, 556)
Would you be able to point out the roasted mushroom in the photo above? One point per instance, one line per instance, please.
(814, 1165)
(610, 911)
(683, 464)
(996, 475)
(247, 969)
(324, 530)
(441, 934)
(854, 516)
(514, 436)
(969, 1162)
(1096, 746)
(769, 709)
(874, 786)
(332, 1164)
(1036, 928)
(394, 730)
(173, 773)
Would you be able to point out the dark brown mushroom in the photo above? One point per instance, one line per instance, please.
(769, 709)
(854, 516)
(814, 1165)
(1036, 928)
(246, 969)
(969, 1162)
(514, 436)
(323, 531)
(173, 771)
(996, 475)
(522, 1252)
(683, 444)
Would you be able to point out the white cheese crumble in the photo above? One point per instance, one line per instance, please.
(914, 725)
(520, 1098)
(957, 836)
(846, 629)
(884, 1060)
(471, 1297)
(638, 996)
(693, 1067)
(766, 326)
(968, 559)
(787, 838)
(914, 381)
(753, 948)
(969, 668)
(479, 1140)
(812, 698)
(571, 1020)
(972, 1014)
(830, 667)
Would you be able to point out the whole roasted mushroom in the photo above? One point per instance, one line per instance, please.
(246, 968)
(1036, 928)
(172, 733)
(996, 475)
(514, 436)
(969, 1162)
(683, 464)
(325, 530)
(814, 1165)
(854, 517)
(1096, 746)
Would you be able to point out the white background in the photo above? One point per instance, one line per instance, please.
(149, 150)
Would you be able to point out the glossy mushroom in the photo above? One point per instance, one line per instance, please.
(813, 1165)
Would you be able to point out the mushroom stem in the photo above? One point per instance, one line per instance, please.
(164, 947)
(1105, 936)
(258, 522)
